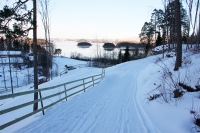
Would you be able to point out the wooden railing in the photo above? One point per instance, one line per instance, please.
(85, 84)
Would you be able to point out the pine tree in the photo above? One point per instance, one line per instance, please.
(171, 17)
(120, 56)
(147, 32)
(126, 54)
(158, 40)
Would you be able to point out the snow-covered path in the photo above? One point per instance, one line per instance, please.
(111, 106)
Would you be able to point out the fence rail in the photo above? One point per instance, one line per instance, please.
(86, 83)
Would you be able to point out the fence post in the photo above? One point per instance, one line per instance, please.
(84, 84)
(41, 102)
(93, 80)
(65, 91)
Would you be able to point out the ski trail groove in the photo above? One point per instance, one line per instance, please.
(112, 106)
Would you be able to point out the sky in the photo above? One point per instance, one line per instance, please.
(97, 19)
(102, 19)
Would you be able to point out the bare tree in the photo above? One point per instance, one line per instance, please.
(35, 106)
(193, 23)
(44, 11)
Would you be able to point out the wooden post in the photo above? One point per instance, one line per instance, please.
(93, 80)
(41, 102)
(65, 92)
(84, 84)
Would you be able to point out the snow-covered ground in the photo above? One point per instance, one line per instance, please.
(119, 103)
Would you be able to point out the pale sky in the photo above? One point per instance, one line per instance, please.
(101, 19)
(97, 19)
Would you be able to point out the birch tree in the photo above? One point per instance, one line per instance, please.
(44, 11)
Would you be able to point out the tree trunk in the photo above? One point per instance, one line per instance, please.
(199, 30)
(10, 69)
(17, 66)
(179, 37)
(35, 107)
(4, 75)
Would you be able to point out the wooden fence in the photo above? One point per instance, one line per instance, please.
(85, 83)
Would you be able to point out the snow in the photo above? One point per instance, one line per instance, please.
(160, 48)
(10, 53)
(4, 54)
(118, 103)
(12, 60)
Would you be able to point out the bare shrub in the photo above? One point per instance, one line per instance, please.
(189, 88)
(169, 82)
(196, 120)
(154, 96)
(177, 93)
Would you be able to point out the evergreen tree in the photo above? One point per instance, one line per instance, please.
(19, 17)
(25, 47)
(120, 56)
(147, 47)
(126, 54)
(158, 40)
(164, 22)
(170, 18)
(2, 43)
(157, 20)
(147, 32)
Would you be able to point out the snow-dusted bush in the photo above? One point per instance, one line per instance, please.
(196, 118)
(173, 84)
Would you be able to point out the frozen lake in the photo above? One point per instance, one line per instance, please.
(71, 47)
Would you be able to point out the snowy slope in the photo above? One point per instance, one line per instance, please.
(111, 106)
(119, 102)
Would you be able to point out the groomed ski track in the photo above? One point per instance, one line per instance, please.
(112, 106)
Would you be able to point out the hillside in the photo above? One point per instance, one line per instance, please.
(121, 101)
